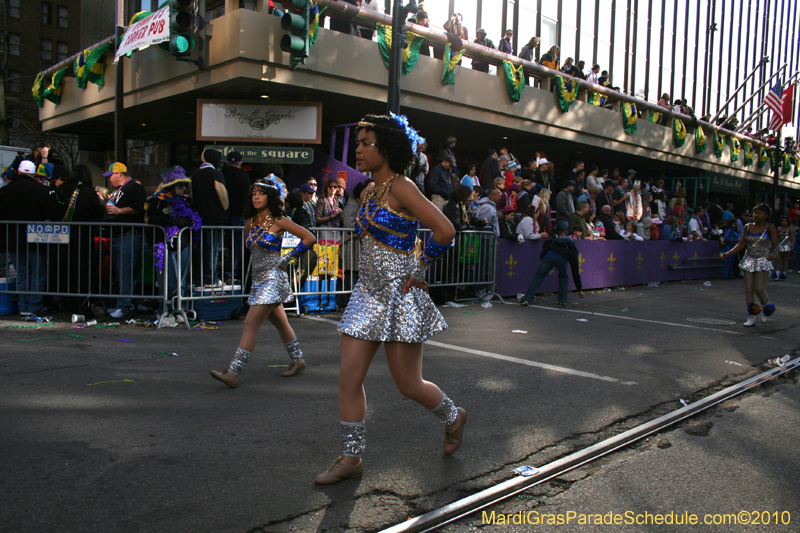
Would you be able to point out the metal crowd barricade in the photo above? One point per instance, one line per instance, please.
(469, 265)
(97, 263)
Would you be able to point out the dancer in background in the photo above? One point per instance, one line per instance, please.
(390, 303)
(264, 230)
(757, 239)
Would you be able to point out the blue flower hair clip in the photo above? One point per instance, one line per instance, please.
(270, 182)
(412, 134)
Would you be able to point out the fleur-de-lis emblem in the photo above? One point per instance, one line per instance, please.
(611, 260)
(581, 261)
(662, 257)
(695, 256)
(510, 262)
(676, 257)
(639, 260)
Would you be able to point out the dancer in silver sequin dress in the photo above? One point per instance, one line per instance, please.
(390, 303)
(264, 231)
(757, 239)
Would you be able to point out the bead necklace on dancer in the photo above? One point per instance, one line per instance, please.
(264, 231)
(390, 302)
(757, 239)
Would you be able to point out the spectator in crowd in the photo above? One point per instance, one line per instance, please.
(592, 179)
(581, 70)
(579, 165)
(506, 44)
(664, 101)
(103, 194)
(295, 210)
(571, 69)
(424, 166)
(509, 197)
(125, 207)
(634, 205)
(441, 182)
(490, 170)
(211, 201)
(480, 38)
(237, 184)
(661, 205)
(342, 25)
(372, 5)
(646, 229)
(629, 232)
(580, 186)
(604, 79)
(504, 152)
(329, 211)
(621, 194)
(487, 210)
(578, 222)
(794, 215)
(671, 230)
(41, 158)
(678, 209)
(25, 199)
(351, 245)
(508, 225)
(705, 220)
(680, 194)
(455, 26)
(604, 216)
(525, 196)
(744, 219)
(528, 171)
(527, 52)
(458, 209)
(544, 174)
(171, 209)
(557, 253)
(605, 196)
(727, 215)
(528, 228)
(449, 149)
(785, 249)
(300, 214)
(307, 192)
(696, 226)
(471, 179)
(550, 58)
(421, 18)
(593, 76)
(565, 205)
(729, 239)
(593, 191)
(543, 212)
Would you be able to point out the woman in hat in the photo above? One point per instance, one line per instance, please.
(264, 229)
(390, 303)
(757, 239)
(171, 208)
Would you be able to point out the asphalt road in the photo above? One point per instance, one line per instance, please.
(103, 435)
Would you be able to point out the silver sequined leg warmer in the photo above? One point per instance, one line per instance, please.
(446, 410)
(354, 438)
(239, 361)
(293, 349)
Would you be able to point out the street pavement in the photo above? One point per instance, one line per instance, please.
(103, 435)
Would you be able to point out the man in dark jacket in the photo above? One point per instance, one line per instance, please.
(24, 199)
(490, 170)
(210, 199)
(604, 216)
(480, 38)
(556, 253)
(237, 183)
(440, 182)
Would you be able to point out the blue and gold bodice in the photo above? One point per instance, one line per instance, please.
(391, 229)
(259, 236)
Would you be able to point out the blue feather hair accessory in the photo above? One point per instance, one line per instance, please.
(412, 134)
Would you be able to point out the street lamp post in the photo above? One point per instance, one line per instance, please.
(399, 43)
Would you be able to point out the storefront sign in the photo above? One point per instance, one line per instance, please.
(152, 29)
(728, 184)
(268, 154)
(242, 121)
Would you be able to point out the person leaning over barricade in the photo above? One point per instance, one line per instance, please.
(24, 199)
(171, 208)
(264, 230)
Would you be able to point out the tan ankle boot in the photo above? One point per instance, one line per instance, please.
(229, 379)
(338, 471)
(295, 368)
(453, 437)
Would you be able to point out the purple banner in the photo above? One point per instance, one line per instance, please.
(607, 264)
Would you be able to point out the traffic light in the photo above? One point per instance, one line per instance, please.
(181, 42)
(295, 21)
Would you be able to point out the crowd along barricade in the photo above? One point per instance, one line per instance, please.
(102, 265)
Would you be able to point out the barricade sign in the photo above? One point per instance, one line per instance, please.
(48, 233)
(289, 241)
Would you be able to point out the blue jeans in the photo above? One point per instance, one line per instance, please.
(172, 276)
(728, 263)
(212, 247)
(31, 266)
(544, 269)
(563, 224)
(125, 252)
(233, 262)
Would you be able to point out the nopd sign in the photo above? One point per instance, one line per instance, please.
(48, 233)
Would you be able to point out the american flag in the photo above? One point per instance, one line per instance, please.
(773, 100)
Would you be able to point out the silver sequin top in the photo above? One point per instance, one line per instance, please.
(270, 284)
(755, 255)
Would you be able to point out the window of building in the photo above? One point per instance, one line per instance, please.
(63, 51)
(63, 17)
(47, 13)
(14, 41)
(47, 50)
(13, 81)
(13, 8)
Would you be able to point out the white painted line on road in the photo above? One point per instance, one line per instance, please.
(554, 368)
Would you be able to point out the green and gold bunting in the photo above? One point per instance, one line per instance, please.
(654, 117)
(90, 66)
(515, 80)
(597, 99)
(719, 143)
(37, 90)
(567, 91)
(736, 146)
(410, 54)
(313, 22)
(773, 160)
(787, 164)
(678, 132)
(53, 92)
(699, 140)
(762, 157)
(748, 154)
(629, 117)
(449, 73)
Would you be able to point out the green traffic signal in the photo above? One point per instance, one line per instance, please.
(296, 22)
(181, 42)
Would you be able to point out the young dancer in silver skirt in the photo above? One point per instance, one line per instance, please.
(264, 231)
(390, 303)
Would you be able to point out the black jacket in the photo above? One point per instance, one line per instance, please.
(489, 171)
(206, 196)
(565, 247)
(24, 199)
(237, 182)
(611, 228)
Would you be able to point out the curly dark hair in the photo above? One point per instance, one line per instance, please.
(274, 202)
(460, 194)
(764, 208)
(392, 142)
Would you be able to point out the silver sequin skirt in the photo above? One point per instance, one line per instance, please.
(270, 284)
(379, 310)
(756, 264)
